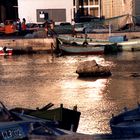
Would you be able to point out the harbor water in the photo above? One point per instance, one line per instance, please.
(35, 80)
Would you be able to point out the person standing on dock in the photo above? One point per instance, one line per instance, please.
(18, 26)
(23, 25)
(46, 29)
(73, 28)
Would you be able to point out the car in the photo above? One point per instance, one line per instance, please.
(99, 29)
(63, 28)
(90, 28)
(32, 26)
(83, 27)
(79, 27)
(65, 24)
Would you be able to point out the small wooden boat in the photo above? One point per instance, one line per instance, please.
(126, 124)
(97, 48)
(66, 118)
(89, 49)
(79, 49)
(82, 40)
(6, 51)
(15, 125)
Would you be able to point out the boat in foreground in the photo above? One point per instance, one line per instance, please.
(15, 125)
(67, 119)
(126, 124)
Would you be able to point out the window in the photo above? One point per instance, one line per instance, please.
(73, 2)
(91, 2)
(81, 2)
(94, 12)
(85, 11)
(96, 2)
(85, 2)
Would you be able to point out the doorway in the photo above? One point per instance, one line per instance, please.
(8, 10)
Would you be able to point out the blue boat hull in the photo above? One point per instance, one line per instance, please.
(126, 124)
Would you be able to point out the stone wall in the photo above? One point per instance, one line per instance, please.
(37, 44)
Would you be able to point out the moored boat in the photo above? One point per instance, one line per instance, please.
(126, 124)
(130, 45)
(67, 49)
(89, 49)
(82, 40)
(18, 126)
(67, 119)
(6, 51)
(15, 125)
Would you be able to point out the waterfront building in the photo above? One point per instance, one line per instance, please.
(8, 9)
(114, 8)
(59, 11)
(65, 10)
(62, 11)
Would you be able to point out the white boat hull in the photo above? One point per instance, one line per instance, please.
(130, 45)
(82, 49)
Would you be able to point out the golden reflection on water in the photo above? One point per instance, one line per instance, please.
(91, 89)
(38, 80)
(87, 95)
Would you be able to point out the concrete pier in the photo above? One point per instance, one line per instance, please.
(36, 44)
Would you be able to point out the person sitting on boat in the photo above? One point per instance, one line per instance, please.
(46, 29)
(5, 49)
(73, 28)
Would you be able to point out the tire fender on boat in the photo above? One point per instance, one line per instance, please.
(85, 43)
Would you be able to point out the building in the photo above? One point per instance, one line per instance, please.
(40, 10)
(114, 8)
(65, 10)
(8, 10)
(62, 11)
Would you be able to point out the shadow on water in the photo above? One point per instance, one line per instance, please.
(92, 79)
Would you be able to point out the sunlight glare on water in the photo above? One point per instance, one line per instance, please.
(36, 80)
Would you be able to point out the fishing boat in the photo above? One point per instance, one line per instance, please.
(15, 125)
(130, 45)
(6, 51)
(126, 124)
(89, 49)
(82, 40)
(67, 119)
(82, 50)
